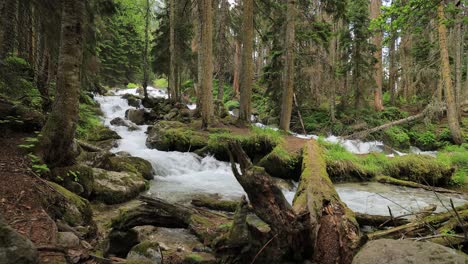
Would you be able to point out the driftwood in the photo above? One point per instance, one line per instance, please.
(425, 225)
(393, 181)
(379, 220)
(409, 119)
(334, 232)
(203, 223)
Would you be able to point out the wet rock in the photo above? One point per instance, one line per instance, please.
(130, 164)
(118, 121)
(77, 178)
(175, 136)
(136, 116)
(103, 133)
(15, 248)
(113, 187)
(123, 154)
(148, 251)
(406, 251)
(68, 240)
(119, 243)
(132, 100)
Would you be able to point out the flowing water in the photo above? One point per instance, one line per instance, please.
(181, 176)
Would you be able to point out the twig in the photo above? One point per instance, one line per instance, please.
(465, 232)
(261, 250)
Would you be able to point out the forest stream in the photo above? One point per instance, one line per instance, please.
(181, 176)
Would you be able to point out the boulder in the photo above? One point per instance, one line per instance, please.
(118, 121)
(77, 178)
(68, 240)
(146, 251)
(103, 133)
(15, 248)
(130, 164)
(137, 116)
(391, 251)
(112, 187)
(73, 209)
(119, 243)
(175, 136)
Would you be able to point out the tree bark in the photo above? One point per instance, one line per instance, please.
(452, 114)
(377, 41)
(245, 109)
(334, 232)
(57, 142)
(235, 83)
(205, 57)
(145, 51)
(223, 45)
(9, 30)
(172, 51)
(458, 58)
(288, 85)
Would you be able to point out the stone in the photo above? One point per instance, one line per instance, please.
(175, 136)
(119, 243)
(146, 251)
(67, 240)
(137, 116)
(118, 121)
(391, 251)
(112, 187)
(15, 248)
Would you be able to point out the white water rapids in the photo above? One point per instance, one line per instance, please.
(181, 176)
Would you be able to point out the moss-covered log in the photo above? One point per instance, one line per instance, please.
(379, 220)
(334, 232)
(410, 184)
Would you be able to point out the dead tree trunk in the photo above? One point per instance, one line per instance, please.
(334, 232)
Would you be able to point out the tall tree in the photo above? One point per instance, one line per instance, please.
(223, 46)
(377, 42)
(288, 84)
(452, 114)
(8, 27)
(57, 142)
(205, 58)
(145, 51)
(247, 62)
(172, 51)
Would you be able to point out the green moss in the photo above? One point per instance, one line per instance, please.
(79, 173)
(77, 211)
(282, 164)
(194, 258)
(130, 164)
(142, 248)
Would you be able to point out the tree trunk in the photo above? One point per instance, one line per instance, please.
(57, 142)
(145, 52)
(458, 59)
(288, 85)
(223, 46)
(172, 51)
(205, 57)
(245, 109)
(377, 41)
(235, 83)
(334, 232)
(452, 114)
(9, 30)
(392, 71)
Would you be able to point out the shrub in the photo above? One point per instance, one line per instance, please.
(397, 137)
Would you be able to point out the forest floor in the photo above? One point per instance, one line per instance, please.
(21, 196)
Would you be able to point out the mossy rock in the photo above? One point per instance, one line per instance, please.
(130, 164)
(102, 133)
(73, 209)
(421, 169)
(175, 136)
(132, 100)
(348, 171)
(78, 174)
(282, 164)
(15, 248)
(145, 251)
(113, 187)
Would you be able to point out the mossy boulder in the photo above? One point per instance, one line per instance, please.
(73, 209)
(132, 100)
(175, 136)
(70, 176)
(112, 187)
(19, 117)
(119, 243)
(283, 164)
(15, 248)
(146, 251)
(129, 164)
(102, 133)
(419, 168)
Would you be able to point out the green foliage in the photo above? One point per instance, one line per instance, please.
(132, 85)
(161, 83)
(232, 104)
(89, 120)
(37, 165)
(456, 156)
(397, 137)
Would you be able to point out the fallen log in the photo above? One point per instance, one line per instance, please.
(379, 220)
(334, 232)
(410, 184)
(203, 223)
(422, 226)
(215, 204)
(361, 134)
